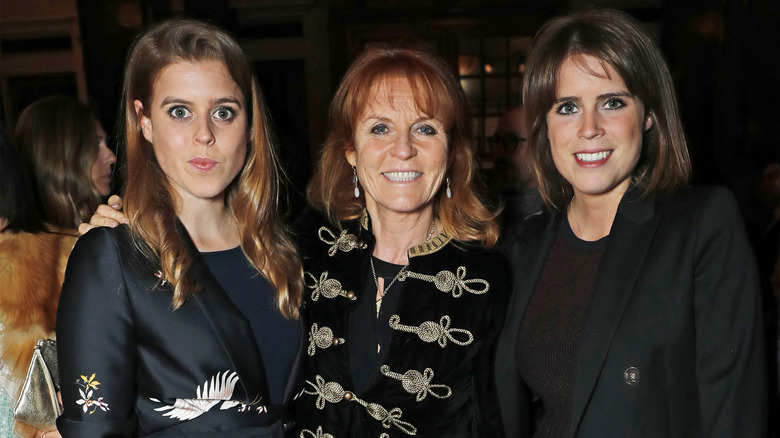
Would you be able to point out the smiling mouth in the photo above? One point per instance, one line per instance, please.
(402, 176)
(593, 157)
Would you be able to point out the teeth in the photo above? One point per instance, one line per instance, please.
(401, 176)
(595, 156)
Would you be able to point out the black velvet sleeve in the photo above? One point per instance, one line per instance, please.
(96, 342)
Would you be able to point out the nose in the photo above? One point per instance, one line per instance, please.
(111, 156)
(404, 148)
(590, 126)
(203, 132)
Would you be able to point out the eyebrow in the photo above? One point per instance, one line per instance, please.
(600, 97)
(173, 100)
(385, 119)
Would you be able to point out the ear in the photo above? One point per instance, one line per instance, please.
(143, 120)
(350, 155)
(649, 121)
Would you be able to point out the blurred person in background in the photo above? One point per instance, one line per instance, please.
(64, 145)
(513, 174)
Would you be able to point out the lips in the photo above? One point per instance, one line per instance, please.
(203, 164)
(592, 159)
(402, 176)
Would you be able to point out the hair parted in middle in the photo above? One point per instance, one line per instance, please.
(58, 137)
(620, 41)
(253, 197)
(436, 94)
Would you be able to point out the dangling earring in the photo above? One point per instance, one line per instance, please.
(355, 181)
(449, 192)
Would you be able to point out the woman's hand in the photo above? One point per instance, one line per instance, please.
(106, 215)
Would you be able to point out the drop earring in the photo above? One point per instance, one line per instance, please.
(449, 192)
(355, 181)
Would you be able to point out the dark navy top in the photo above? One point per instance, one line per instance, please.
(277, 337)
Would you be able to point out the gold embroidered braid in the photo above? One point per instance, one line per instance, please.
(328, 287)
(318, 434)
(446, 281)
(429, 331)
(334, 393)
(414, 382)
(345, 242)
(321, 337)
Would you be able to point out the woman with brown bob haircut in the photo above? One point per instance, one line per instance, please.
(405, 293)
(184, 320)
(636, 310)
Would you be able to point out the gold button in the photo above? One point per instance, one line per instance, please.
(348, 395)
(350, 295)
(335, 341)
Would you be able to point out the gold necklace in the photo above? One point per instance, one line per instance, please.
(431, 230)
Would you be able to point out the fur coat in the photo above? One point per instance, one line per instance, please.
(32, 267)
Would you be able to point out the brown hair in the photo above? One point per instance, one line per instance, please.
(253, 197)
(620, 41)
(437, 94)
(58, 136)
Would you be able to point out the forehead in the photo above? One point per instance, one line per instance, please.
(195, 79)
(584, 71)
(390, 94)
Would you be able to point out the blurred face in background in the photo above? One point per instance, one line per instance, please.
(101, 168)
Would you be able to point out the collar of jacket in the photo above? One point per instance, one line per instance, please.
(428, 247)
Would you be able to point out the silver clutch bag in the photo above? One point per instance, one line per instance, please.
(37, 405)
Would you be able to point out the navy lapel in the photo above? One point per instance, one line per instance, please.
(230, 326)
(527, 256)
(295, 381)
(629, 240)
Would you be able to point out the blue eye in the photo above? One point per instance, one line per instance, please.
(613, 104)
(379, 129)
(567, 108)
(426, 130)
(224, 113)
(179, 112)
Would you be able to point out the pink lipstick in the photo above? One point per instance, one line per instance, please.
(203, 164)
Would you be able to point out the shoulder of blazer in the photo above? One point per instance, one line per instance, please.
(528, 229)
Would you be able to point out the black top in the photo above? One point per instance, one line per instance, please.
(371, 334)
(547, 345)
(277, 338)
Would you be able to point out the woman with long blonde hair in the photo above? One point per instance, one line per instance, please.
(185, 321)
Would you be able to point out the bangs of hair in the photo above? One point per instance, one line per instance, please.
(431, 96)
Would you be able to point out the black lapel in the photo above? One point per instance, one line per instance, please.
(295, 382)
(629, 239)
(528, 255)
(230, 326)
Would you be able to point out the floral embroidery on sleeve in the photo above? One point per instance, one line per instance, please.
(87, 387)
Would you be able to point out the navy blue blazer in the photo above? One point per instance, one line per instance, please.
(671, 344)
(132, 366)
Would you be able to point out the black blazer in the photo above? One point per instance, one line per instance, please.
(115, 326)
(677, 301)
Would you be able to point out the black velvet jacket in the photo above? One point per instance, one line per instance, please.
(437, 378)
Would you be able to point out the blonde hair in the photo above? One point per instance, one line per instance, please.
(58, 136)
(436, 94)
(253, 197)
(618, 40)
